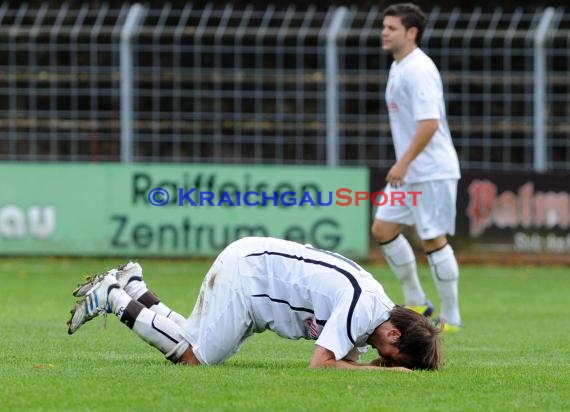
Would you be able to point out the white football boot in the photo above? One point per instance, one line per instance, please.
(94, 294)
(130, 277)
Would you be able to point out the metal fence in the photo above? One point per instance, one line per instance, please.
(278, 85)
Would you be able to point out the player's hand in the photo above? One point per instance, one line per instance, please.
(395, 176)
(399, 369)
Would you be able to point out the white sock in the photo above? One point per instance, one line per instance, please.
(161, 309)
(136, 288)
(152, 302)
(445, 273)
(402, 260)
(139, 291)
(157, 330)
(118, 300)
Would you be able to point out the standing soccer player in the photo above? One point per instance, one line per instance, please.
(426, 162)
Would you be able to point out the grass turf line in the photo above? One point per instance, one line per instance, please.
(513, 353)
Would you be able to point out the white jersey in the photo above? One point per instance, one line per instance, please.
(414, 92)
(299, 291)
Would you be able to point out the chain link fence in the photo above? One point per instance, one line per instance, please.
(272, 86)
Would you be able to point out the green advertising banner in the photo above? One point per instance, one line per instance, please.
(177, 210)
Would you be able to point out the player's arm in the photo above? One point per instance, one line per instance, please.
(424, 132)
(380, 363)
(324, 358)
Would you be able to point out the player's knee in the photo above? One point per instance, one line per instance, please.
(373, 230)
(189, 358)
(432, 245)
(182, 353)
(376, 230)
(382, 232)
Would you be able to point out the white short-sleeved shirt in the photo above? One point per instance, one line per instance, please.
(299, 291)
(414, 92)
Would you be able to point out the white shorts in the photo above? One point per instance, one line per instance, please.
(434, 212)
(220, 321)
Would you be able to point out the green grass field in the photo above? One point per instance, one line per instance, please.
(513, 354)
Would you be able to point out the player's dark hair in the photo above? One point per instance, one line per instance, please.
(411, 16)
(419, 342)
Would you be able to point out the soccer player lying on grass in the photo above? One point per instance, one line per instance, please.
(255, 284)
